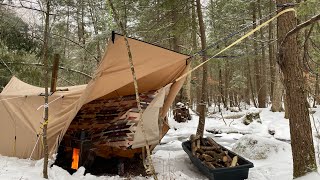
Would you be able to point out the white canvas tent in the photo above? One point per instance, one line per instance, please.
(21, 106)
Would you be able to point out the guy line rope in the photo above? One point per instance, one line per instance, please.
(237, 41)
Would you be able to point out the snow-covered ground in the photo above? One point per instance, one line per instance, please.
(271, 155)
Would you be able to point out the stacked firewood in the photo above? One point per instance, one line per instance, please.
(210, 153)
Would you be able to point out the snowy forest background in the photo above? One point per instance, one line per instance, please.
(79, 31)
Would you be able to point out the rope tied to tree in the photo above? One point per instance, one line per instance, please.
(237, 41)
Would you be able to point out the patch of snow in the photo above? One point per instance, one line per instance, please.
(257, 147)
(253, 110)
(310, 176)
(171, 162)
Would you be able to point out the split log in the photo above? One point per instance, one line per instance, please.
(234, 161)
(198, 143)
(203, 142)
(217, 165)
(208, 148)
(213, 143)
(200, 151)
(207, 157)
(209, 164)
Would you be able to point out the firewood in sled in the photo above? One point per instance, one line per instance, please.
(234, 161)
(208, 148)
(207, 158)
(209, 164)
(204, 142)
(200, 151)
(217, 165)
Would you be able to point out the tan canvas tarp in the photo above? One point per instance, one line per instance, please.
(21, 117)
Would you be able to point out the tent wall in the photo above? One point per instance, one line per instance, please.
(21, 121)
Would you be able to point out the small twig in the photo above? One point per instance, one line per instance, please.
(231, 122)
(223, 119)
(5, 64)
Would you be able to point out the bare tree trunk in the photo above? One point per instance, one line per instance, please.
(194, 48)
(300, 127)
(202, 117)
(221, 89)
(249, 79)
(94, 20)
(275, 73)
(316, 93)
(255, 47)
(65, 51)
(46, 87)
(263, 64)
(277, 93)
(272, 58)
(226, 84)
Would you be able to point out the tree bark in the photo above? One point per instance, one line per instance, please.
(202, 117)
(316, 93)
(300, 127)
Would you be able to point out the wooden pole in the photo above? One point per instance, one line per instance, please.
(46, 85)
(150, 169)
(55, 69)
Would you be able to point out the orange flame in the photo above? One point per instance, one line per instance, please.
(75, 158)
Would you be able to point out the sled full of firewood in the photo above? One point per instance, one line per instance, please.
(217, 162)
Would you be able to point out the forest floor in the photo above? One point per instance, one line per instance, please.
(270, 154)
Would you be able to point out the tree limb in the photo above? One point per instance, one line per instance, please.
(60, 67)
(23, 7)
(312, 20)
(76, 43)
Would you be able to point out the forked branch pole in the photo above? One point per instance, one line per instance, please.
(150, 169)
(312, 20)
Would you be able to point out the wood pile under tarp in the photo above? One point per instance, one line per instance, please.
(210, 153)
